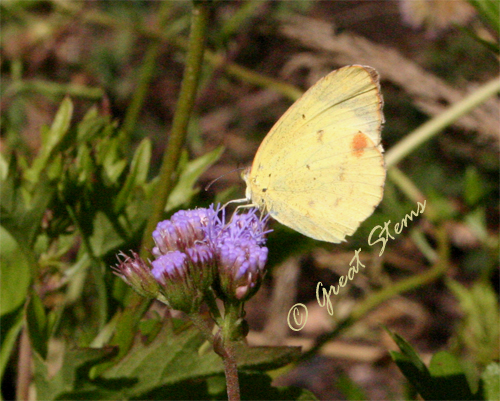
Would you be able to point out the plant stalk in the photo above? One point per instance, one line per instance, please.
(432, 127)
(187, 95)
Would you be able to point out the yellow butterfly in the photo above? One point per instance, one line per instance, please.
(320, 169)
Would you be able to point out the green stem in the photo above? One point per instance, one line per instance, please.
(53, 89)
(192, 72)
(411, 283)
(137, 304)
(231, 316)
(412, 192)
(231, 372)
(146, 74)
(438, 123)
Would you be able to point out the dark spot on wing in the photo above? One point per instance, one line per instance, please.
(319, 136)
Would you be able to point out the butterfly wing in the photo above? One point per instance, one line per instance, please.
(320, 170)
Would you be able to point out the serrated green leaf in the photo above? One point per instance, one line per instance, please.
(491, 382)
(480, 325)
(176, 358)
(183, 191)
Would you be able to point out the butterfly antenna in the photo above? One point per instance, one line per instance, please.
(219, 177)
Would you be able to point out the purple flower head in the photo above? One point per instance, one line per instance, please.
(174, 273)
(136, 273)
(182, 231)
(191, 247)
(241, 255)
(172, 266)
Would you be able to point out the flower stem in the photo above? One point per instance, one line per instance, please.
(192, 72)
(227, 353)
(137, 304)
(438, 123)
(231, 372)
(228, 356)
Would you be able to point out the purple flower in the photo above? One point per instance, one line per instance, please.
(191, 248)
(136, 273)
(182, 231)
(241, 255)
(175, 272)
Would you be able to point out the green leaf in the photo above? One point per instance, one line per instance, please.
(350, 389)
(73, 374)
(104, 238)
(38, 326)
(15, 273)
(491, 381)
(51, 139)
(444, 380)
(183, 191)
(139, 169)
(449, 380)
(480, 325)
(489, 10)
(22, 211)
(408, 353)
(4, 167)
(10, 328)
(253, 386)
(176, 358)
(91, 125)
(411, 366)
(108, 157)
(474, 186)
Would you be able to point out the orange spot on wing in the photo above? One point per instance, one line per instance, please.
(358, 144)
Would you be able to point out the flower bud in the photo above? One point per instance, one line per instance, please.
(136, 273)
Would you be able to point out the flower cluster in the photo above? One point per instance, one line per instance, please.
(197, 249)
